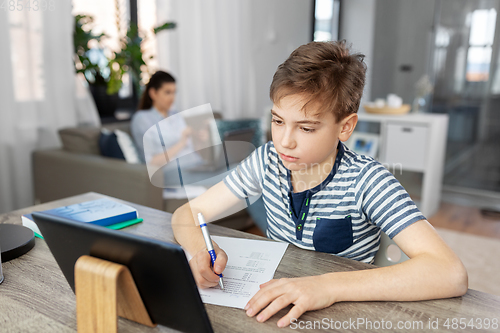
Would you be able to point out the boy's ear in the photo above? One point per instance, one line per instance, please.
(348, 124)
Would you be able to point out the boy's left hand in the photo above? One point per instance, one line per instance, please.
(306, 293)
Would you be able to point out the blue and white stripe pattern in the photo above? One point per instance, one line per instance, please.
(344, 217)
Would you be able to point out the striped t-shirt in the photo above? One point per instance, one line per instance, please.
(343, 215)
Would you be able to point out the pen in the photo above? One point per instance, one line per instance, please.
(208, 243)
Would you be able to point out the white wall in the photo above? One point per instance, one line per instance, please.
(357, 25)
(280, 26)
(235, 50)
(402, 36)
(390, 33)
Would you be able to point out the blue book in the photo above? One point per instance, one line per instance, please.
(102, 212)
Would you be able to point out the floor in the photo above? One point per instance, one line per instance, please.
(467, 219)
(474, 236)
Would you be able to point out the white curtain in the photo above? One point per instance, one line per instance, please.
(39, 92)
(208, 53)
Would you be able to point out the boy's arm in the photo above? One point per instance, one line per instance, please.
(433, 271)
(215, 203)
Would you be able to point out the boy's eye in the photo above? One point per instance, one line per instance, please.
(304, 129)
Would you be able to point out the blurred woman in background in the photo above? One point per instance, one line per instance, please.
(155, 105)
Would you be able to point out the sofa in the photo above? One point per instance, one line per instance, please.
(78, 167)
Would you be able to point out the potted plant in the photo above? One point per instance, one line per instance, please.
(130, 59)
(92, 62)
(104, 69)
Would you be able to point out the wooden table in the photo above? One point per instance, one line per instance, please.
(35, 296)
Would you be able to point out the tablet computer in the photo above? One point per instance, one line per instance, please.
(160, 269)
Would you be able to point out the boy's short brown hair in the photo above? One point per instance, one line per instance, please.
(325, 73)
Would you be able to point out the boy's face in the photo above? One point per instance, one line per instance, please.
(304, 141)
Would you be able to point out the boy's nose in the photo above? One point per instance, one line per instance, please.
(287, 141)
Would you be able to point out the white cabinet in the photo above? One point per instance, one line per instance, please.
(406, 144)
(414, 142)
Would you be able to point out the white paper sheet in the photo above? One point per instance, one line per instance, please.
(250, 263)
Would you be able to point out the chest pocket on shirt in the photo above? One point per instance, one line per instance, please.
(333, 235)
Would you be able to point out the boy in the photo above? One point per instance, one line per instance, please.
(321, 196)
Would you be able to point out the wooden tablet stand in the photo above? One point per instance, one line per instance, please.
(105, 290)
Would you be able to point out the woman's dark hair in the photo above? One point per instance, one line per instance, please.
(155, 82)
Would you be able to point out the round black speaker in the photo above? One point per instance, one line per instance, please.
(15, 240)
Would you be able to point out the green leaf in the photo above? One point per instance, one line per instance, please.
(128, 60)
(165, 26)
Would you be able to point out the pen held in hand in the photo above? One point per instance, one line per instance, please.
(208, 243)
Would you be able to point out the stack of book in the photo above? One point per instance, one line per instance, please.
(103, 212)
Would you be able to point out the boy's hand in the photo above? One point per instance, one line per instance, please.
(306, 293)
(201, 267)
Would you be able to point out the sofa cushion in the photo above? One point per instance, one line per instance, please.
(82, 140)
(122, 126)
(108, 144)
(127, 147)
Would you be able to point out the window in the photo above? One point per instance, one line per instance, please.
(147, 22)
(26, 42)
(326, 20)
(482, 31)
